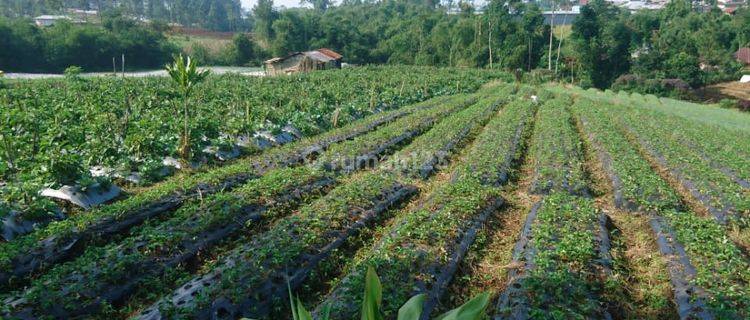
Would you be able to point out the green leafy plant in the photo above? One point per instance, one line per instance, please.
(184, 72)
(474, 309)
(73, 73)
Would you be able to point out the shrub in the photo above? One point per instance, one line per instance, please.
(73, 72)
(686, 68)
(674, 88)
(728, 103)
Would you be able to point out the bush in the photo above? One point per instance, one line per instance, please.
(63, 169)
(243, 49)
(728, 103)
(202, 55)
(73, 72)
(685, 68)
(673, 88)
(539, 76)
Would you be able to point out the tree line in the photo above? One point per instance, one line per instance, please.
(28, 48)
(218, 15)
(655, 51)
(682, 45)
(508, 34)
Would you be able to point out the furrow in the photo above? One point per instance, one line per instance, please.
(562, 256)
(66, 240)
(305, 255)
(154, 265)
(682, 238)
(423, 249)
(108, 275)
(262, 272)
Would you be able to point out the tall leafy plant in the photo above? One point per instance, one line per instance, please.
(184, 72)
(474, 309)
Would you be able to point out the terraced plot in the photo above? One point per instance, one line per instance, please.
(562, 203)
(707, 270)
(66, 239)
(178, 240)
(424, 247)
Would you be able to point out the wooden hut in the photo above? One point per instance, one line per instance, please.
(320, 59)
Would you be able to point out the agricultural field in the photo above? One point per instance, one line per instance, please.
(97, 136)
(452, 191)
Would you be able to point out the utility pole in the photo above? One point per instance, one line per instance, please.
(551, 31)
(489, 40)
(559, 43)
(123, 65)
(114, 67)
(529, 59)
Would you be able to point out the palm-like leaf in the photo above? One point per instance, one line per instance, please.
(373, 296)
(184, 72)
(472, 310)
(412, 309)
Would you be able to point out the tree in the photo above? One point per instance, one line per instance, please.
(185, 74)
(217, 16)
(244, 49)
(265, 15)
(320, 5)
(289, 34)
(742, 25)
(684, 66)
(602, 42)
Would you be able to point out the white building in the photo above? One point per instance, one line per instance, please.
(48, 20)
(561, 17)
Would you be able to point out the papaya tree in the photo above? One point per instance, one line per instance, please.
(184, 72)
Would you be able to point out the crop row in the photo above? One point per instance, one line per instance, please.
(708, 272)
(561, 261)
(172, 192)
(723, 147)
(367, 150)
(638, 189)
(182, 231)
(563, 256)
(555, 150)
(54, 131)
(106, 275)
(432, 150)
(236, 287)
(731, 119)
(421, 253)
(252, 279)
(721, 196)
(501, 138)
(725, 198)
(65, 239)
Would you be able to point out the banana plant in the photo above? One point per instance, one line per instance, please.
(474, 309)
(185, 73)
